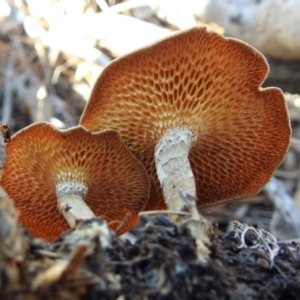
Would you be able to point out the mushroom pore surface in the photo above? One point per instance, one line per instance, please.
(209, 84)
(41, 157)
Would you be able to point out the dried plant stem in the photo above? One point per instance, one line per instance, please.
(3, 155)
(167, 212)
(120, 7)
(284, 203)
(7, 99)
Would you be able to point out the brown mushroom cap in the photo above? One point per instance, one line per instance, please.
(40, 156)
(211, 85)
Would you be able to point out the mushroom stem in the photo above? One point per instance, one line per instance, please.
(73, 208)
(175, 174)
(174, 170)
(71, 204)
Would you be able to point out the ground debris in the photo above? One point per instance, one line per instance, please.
(161, 264)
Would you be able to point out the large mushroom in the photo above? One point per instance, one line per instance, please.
(191, 109)
(79, 173)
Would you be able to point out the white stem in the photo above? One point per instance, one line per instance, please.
(71, 204)
(73, 208)
(177, 180)
(174, 169)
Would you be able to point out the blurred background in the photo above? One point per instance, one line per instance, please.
(52, 51)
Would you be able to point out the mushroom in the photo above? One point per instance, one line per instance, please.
(83, 174)
(191, 108)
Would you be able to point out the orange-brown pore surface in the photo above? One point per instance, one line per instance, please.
(40, 156)
(210, 84)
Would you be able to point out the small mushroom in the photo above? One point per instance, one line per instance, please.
(191, 109)
(82, 174)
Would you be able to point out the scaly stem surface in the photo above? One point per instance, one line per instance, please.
(174, 169)
(175, 175)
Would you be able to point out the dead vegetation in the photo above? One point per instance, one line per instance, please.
(51, 54)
